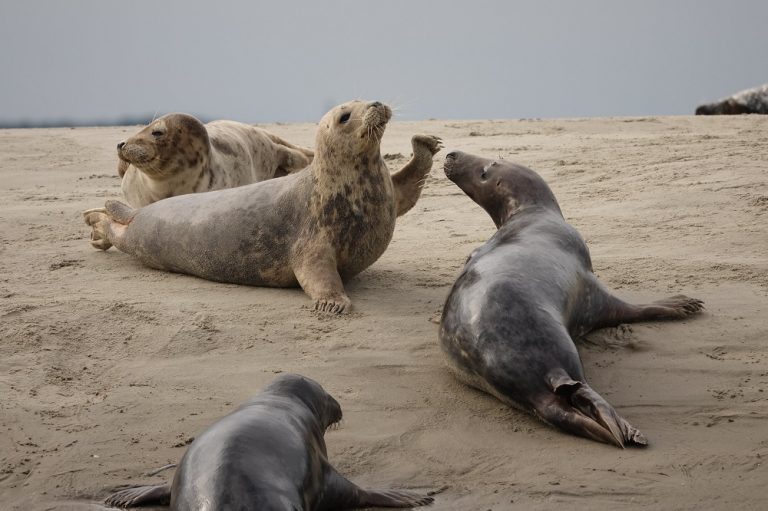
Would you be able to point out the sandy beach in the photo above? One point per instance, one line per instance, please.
(109, 369)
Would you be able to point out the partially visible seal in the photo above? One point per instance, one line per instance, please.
(267, 455)
(750, 101)
(315, 228)
(509, 323)
(177, 154)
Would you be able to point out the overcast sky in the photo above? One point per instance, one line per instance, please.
(99, 60)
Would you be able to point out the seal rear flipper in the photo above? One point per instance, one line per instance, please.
(98, 220)
(578, 409)
(340, 493)
(159, 495)
(119, 211)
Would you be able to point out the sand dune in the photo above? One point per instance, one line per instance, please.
(107, 368)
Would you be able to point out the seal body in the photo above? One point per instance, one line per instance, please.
(177, 154)
(315, 228)
(750, 101)
(509, 323)
(267, 455)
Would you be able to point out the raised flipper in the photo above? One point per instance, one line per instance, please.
(409, 180)
(576, 408)
(159, 495)
(340, 493)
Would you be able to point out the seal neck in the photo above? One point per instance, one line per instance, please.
(512, 209)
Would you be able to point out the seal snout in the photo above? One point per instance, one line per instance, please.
(451, 164)
(120, 145)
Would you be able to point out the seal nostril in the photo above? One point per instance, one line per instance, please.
(376, 104)
(451, 156)
(120, 145)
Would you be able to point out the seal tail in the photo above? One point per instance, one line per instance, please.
(578, 409)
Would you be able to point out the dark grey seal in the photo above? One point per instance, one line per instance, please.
(268, 455)
(750, 101)
(509, 324)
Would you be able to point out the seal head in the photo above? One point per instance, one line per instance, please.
(169, 145)
(501, 188)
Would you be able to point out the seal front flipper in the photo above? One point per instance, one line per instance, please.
(319, 277)
(409, 180)
(616, 311)
(159, 495)
(340, 493)
(578, 409)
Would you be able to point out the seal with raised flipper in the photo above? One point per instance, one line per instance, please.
(314, 228)
(267, 455)
(177, 154)
(509, 323)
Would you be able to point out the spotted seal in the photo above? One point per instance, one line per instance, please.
(177, 154)
(315, 228)
(267, 455)
(509, 323)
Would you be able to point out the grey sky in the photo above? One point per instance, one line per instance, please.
(98, 60)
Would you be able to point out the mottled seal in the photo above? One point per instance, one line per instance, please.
(315, 228)
(750, 101)
(177, 154)
(267, 455)
(509, 323)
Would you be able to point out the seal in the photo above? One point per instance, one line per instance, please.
(750, 101)
(509, 323)
(269, 454)
(177, 154)
(314, 228)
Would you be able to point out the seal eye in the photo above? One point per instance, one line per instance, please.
(157, 133)
(344, 118)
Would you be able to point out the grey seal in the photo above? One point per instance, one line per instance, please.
(177, 154)
(749, 101)
(314, 228)
(509, 323)
(267, 455)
